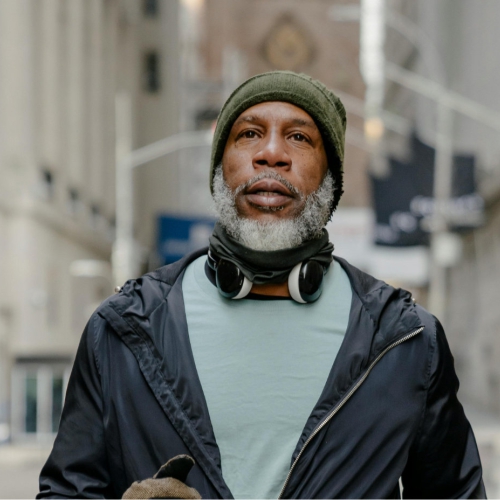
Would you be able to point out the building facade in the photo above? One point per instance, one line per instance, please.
(464, 36)
(61, 65)
(451, 42)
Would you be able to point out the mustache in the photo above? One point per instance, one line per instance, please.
(269, 174)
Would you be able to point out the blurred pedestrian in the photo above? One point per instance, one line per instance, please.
(264, 363)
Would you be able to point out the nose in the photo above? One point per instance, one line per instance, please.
(272, 153)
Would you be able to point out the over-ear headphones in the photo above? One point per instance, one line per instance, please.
(305, 281)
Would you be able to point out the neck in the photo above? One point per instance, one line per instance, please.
(275, 289)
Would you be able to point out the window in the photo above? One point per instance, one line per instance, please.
(95, 216)
(57, 400)
(150, 8)
(31, 401)
(38, 389)
(74, 202)
(46, 186)
(206, 118)
(151, 72)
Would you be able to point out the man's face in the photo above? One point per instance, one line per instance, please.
(273, 137)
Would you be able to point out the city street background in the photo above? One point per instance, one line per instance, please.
(107, 109)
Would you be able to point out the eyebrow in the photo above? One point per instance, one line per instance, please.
(294, 121)
(249, 119)
(304, 123)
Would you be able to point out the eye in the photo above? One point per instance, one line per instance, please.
(298, 136)
(249, 134)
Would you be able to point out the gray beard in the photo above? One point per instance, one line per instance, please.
(278, 234)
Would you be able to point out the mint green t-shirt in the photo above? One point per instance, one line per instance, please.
(262, 365)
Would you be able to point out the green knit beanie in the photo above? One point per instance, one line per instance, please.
(312, 96)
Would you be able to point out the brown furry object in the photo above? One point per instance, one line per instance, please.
(168, 482)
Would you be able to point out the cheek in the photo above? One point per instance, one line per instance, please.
(235, 167)
(314, 173)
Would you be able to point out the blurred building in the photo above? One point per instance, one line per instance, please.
(61, 65)
(452, 43)
(464, 35)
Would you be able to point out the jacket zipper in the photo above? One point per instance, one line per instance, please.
(344, 401)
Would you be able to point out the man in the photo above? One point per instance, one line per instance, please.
(279, 370)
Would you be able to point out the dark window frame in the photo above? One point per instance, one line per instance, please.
(151, 72)
(151, 8)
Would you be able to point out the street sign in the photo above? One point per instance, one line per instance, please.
(178, 235)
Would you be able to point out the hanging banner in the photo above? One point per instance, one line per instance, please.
(395, 223)
(404, 203)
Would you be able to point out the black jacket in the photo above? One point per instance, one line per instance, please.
(388, 409)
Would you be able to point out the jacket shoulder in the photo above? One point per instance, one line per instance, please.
(429, 321)
(141, 296)
(391, 310)
(363, 283)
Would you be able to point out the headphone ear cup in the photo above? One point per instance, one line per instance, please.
(293, 284)
(305, 281)
(245, 289)
(231, 282)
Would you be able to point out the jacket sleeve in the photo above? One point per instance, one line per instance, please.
(444, 460)
(77, 465)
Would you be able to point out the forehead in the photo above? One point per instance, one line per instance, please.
(276, 111)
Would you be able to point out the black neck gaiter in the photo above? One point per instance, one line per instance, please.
(269, 267)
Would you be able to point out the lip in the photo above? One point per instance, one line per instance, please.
(268, 193)
(269, 185)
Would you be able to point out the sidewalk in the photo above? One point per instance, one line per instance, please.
(487, 431)
(20, 466)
